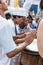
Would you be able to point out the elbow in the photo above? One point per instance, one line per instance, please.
(9, 55)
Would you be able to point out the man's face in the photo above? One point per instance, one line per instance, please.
(29, 20)
(3, 6)
(19, 19)
(0, 6)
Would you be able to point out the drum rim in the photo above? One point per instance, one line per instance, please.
(33, 53)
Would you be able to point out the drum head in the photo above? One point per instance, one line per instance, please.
(33, 46)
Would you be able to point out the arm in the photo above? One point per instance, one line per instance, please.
(8, 44)
(18, 41)
(17, 50)
(19, 36)
(40, 38)
(28, 39)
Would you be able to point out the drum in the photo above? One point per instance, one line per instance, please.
(30, 55)
(32, 48)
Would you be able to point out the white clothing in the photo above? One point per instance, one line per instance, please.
(12, 25)
(18, 11)
(6, 42)
(28, 3)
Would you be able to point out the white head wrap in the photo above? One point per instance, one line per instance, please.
(18, 11)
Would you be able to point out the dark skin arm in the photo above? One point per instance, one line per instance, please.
(17, 50)
(19, 36)
(18, 41)
(28, 39)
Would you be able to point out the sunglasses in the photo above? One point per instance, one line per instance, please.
(19, 16)
(14, 16)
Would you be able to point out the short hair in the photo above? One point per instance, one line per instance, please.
(8, 15)
(41, 4)
(0, 1)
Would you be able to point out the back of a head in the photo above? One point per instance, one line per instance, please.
(41, 4)
(8, 16)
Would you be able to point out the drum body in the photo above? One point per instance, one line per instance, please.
(30, 55)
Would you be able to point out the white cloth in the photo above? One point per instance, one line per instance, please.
(12, 25)
(4, 60)
(36, 2)
(16, 58)
(6, 42)
(28, 3)
(18, 11)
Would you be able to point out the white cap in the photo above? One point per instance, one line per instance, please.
(18, 11)
(7, 12)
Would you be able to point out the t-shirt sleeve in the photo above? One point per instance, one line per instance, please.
(6, 39)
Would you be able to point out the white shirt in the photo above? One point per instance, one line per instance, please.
(28, 3)
(12, 25)
(6, 42)
(36, 2)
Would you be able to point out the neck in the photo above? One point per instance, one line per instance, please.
(2, 13)
(21, 26)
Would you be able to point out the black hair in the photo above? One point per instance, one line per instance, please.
(8, 15)
(30, 17)
(41, 4)
(14, 16)
(0, 1)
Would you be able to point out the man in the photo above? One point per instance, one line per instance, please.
(6, 41)
(18, 17)
(14, 22)
(40, 38)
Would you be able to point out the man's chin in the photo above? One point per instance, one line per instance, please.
(5, 9)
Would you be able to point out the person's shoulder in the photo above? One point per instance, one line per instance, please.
(3, 22)
(41, 24)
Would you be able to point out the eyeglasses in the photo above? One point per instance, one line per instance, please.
(14, 16)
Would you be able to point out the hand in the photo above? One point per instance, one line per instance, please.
(27, 30)
(30, 37)
(34, 32)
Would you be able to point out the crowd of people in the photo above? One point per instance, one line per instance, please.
(21, 21)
